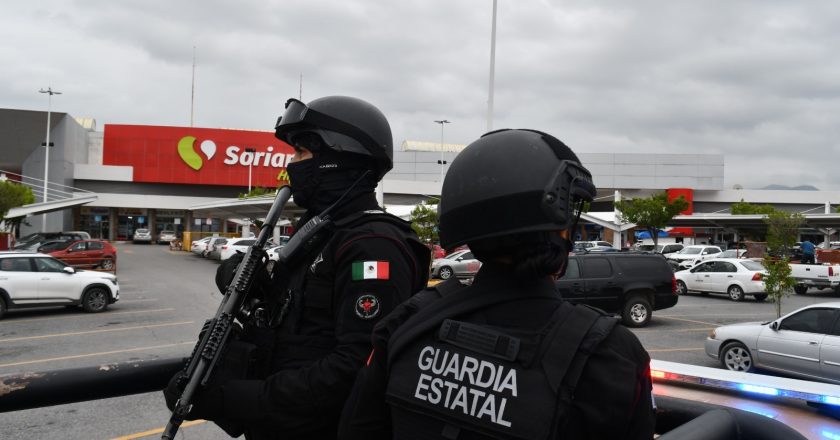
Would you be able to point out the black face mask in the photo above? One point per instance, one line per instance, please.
(320, 181)
(304, 180)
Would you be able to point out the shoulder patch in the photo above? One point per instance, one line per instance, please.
(371, 270)
(367, 306)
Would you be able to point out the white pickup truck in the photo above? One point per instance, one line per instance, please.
(822, 276)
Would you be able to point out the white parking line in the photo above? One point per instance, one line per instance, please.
(107, 330)
(103, 353)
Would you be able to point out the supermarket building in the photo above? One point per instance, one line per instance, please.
(125, 177)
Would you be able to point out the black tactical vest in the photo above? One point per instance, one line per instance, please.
(453, 379)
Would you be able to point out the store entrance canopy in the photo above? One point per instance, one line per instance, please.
(251, 208)
(729, 221)
(50, 206)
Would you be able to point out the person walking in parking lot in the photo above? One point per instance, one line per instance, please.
(808, 251)
(505, 357)
(370, 262)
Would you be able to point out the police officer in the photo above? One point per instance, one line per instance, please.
(364, 266)
(505, 357)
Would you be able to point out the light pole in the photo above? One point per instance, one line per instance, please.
(250, 165)
(441, 161)
(47, 146)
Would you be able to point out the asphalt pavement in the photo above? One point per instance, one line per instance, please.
(166, 296)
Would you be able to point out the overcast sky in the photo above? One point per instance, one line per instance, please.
(757, 81)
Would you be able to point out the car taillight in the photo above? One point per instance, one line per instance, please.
(224, 247)
(756, 276)
(673, 284)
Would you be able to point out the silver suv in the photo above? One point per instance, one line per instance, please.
(30, 279)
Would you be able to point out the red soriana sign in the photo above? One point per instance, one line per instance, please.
(189, 155)
(688, 195)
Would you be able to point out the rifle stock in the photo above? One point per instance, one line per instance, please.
(211, 345)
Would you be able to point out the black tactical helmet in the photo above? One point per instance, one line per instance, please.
(512, 181)
(344, 124)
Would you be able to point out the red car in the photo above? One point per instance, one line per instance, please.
(94, 254)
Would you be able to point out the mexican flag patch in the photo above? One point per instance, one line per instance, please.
(370, 270)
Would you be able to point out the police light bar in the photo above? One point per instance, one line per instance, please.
(745, 383)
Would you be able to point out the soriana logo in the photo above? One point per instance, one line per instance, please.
(198, 155)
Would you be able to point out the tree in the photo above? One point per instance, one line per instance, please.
(746, 208)
(424, 221)
(782, 230)
(651, 213)
(13, 195)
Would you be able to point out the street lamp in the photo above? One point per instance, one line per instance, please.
(250, 164)
(441, 161)
(47, 146)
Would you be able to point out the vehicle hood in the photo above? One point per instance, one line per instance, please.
(740, 330)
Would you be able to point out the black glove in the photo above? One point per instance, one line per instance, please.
(226, 271)
(206, 404)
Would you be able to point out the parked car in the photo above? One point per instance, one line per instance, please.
(803, 343)
(629, 284)
(234, 245)
(198, 247)
(664, 249)
(581, 246)
(142, 235)
(32, 242)
(460, 264)
(735, 277)
(96, 254)
(166, 236)
(733, 253)
(214, 248)
(689, 256)
(29, 279)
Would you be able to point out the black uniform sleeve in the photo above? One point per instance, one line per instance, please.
(366, 416)
(613, 398)
(373, 273)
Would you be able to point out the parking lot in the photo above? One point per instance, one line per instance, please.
(165, 297)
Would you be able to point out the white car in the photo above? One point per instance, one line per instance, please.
(803, 343)
(199, 247)
(735, 277)
(36, 280)
(689, 256)
(234, 245)
(142, 235)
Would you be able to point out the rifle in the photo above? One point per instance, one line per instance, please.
(235, 304)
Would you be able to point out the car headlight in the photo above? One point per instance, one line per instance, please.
(112, 280)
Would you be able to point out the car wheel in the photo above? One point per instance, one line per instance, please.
(445, 273)
(760, 297)
(736, 357)
(95, 299)
(107, 264)
(735, 293)
(682, 289)
(637, 312)
(800, 289)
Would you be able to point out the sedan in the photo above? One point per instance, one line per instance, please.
(732, 276)
(199, 247)
(804, 343)
(234, 245)
(142, 235)
(166, 236)
(461, 264)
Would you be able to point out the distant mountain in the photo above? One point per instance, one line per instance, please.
(794, 188)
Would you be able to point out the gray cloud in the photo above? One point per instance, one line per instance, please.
(757, 81)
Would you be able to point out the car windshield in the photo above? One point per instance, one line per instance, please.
(753, 265)
(167, 232)
(142, 231)
(690, 251)
(648, 247)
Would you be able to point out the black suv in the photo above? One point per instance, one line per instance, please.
(630, 284)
